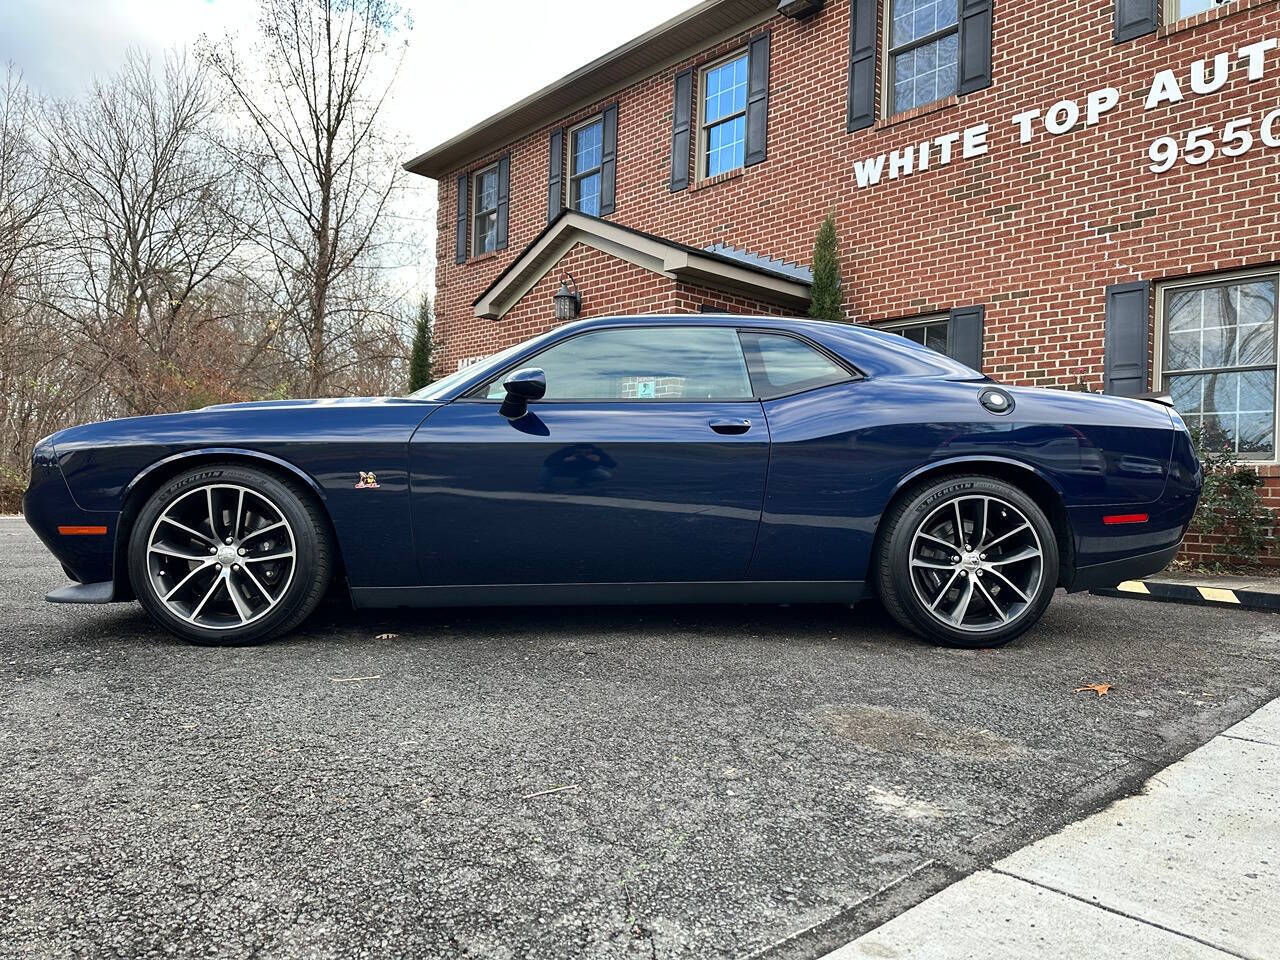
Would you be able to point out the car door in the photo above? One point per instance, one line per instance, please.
(644, 462)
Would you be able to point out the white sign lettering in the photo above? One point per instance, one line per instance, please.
(1195, 147)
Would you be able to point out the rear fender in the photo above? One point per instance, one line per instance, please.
(976, 462)
(1041, 486)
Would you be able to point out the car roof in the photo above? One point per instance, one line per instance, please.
(872, 351)
(693, 319)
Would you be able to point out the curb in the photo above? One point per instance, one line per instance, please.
(1165, 591)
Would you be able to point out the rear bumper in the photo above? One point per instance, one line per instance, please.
(1112, 572)
(1107, 554)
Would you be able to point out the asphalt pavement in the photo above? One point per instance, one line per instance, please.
(738, 782)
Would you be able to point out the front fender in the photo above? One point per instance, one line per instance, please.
(185, 457)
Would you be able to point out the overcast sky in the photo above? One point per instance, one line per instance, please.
(466, 58)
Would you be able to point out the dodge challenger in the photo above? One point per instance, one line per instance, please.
(673, 459)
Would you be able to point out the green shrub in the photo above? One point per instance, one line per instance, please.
(1231, 504)
(826, 302)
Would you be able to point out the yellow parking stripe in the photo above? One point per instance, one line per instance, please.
(1133, 586)
(1218, 594)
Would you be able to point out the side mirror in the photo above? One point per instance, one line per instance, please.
(522, 386)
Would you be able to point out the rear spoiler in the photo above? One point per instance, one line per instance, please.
(1161, 397)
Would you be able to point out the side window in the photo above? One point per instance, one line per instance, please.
(924, 50)
(1218, 361)
(723, 117)
(781, 365)
(585, 158)
(484, 229)
(931, 332)
(653, 363)
(1180, 9)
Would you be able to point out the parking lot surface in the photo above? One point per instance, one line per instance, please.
(739, 781)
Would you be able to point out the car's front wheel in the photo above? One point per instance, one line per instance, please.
(968, 561)
(225, 555)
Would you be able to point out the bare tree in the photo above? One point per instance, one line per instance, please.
(148, 217)
(35, 379)
(312, 91)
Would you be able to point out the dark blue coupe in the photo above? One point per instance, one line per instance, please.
(629, 460)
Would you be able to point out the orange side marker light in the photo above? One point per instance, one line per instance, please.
(72, 530)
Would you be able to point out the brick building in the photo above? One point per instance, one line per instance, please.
(1083, 196)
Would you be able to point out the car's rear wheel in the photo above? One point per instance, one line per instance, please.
(967, 561)
(227, 555)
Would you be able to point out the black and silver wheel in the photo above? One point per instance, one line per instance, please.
(226, 554)
(967, 561)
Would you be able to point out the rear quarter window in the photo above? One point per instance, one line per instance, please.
(781, 364)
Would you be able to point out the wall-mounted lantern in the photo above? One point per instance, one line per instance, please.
(568, 302)
(799, 8)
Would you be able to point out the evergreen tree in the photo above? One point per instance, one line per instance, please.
(420, 360)
(825, 299)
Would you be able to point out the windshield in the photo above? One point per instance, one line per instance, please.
(439, 389)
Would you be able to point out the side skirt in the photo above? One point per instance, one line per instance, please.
(611, 594)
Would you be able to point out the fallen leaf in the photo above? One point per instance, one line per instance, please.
(1099, 688)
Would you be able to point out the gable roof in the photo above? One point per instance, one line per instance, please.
(697, 28)
(719, 267)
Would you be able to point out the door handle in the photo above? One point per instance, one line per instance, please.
(730, 425)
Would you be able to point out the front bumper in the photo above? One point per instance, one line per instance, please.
(83, 541)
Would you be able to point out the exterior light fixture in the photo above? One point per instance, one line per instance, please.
(568, 302)
(799, 8)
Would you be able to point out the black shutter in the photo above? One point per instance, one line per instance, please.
(1136, 18)
(504, 200)
(757, 98)
(964, 335)
(1124, 360)
(609, 160)
(975, 45)
(681, 117)
(861, 106)
(555, 176)
(461, 252)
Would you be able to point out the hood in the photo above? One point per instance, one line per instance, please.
(317, 402)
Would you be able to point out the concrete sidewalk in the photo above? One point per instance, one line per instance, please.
(1189, 868)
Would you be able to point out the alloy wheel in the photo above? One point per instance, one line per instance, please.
(221, 556)
(976, 563)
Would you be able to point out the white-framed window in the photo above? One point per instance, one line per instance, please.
(932, 331)
(722, 115)
(922, 51)
(484, 210)
(586, 155)
(1216, 356)
(1175, 10)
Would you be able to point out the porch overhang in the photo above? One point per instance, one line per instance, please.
(677, 261)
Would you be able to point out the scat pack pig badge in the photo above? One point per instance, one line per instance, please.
(368, 481)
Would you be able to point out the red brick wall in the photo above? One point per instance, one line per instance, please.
(1034, 231)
